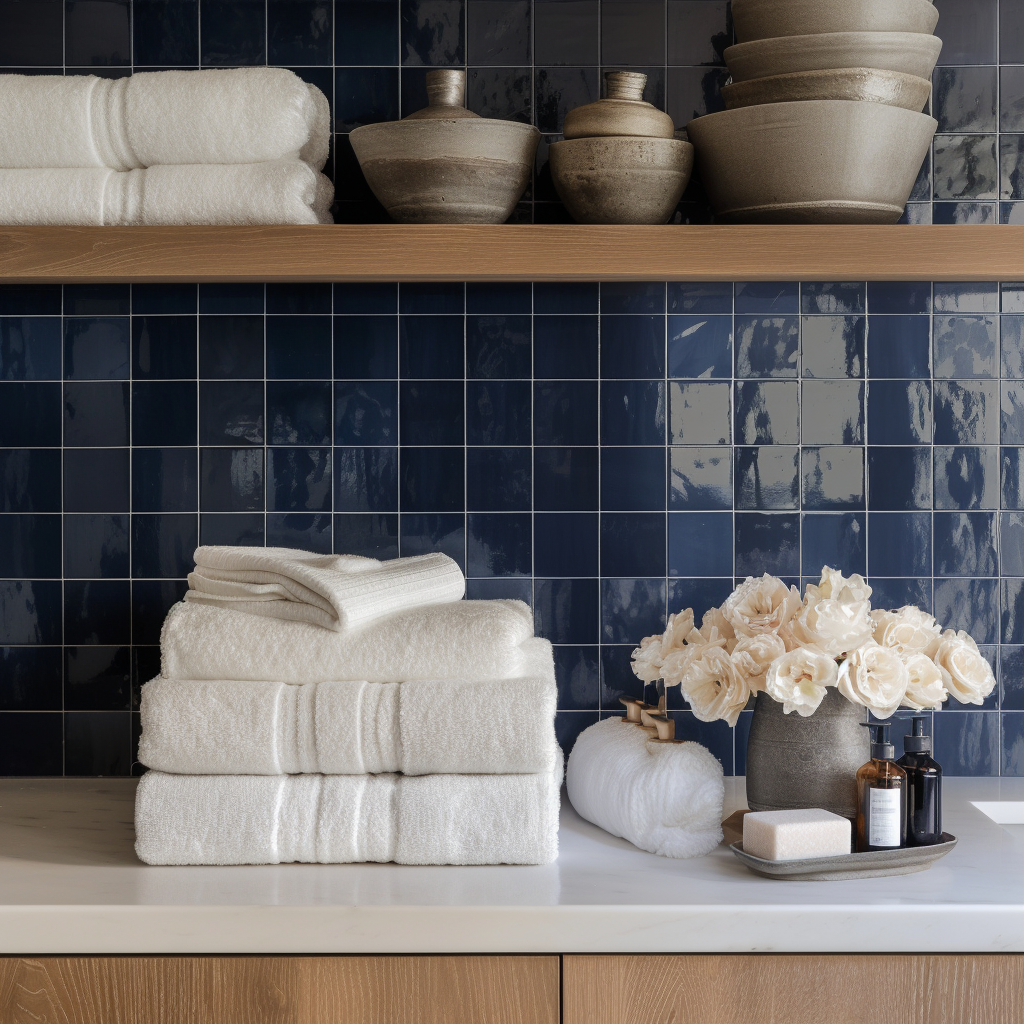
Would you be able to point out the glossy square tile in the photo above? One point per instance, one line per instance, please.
(832, 346)
(700, 413)
(698, 31)
(967, 743)
(899, 478)
(434, 34)
(565, 479)
(1011, 99)
(30, 546)
(965, 412)
(775, 298)
(233, 32)
(770, 541)
(97, 33)
(498, 479)
(96, 348)
(30, 299)
(833, 478)
(30, 480)
(632, 347)
(298, 480)
(231, 347)
(366, 413)
(432, 480)
(306, 530)
(96, 413)
(700, 479)
(966, 478)
(31, 743)
(693, 92)
(700, 298)
(971, 605)
(834, 297)
(505, 93)
(566, 32)
(232, 298)
(366, 347)
(1011, 479)
(965, 167)
(966, 347)
(365, 31)
(630, 608)
(565, 413)
(558, 90)
(244, 529)
(97, 743)
(498, 544)
(965, 544)
(973, 30)
(299, 412)
(498, 412)
(498, 347)
(299, 32)
(767, 346)
(30, 415)
(766, 413)
(633, 412)
(371, 535)
(964, 98)
(164, 412)
(834, 539)
(966, 296)
(97, 678)
(432, 412)
(963, 213)
(767, 478)
(568, 612)
(700, 544)
(299, 347)
(899, 346)
(419, 534)
(32, 34)
(97, 612)
(832, 412)
(165, 480)
(578, 672)
(231, 412)
(700, 346)
(1012, 726)
(163, 545)
(565, 347)
(899, 412)
(901, 544)
(633, 544)
(632, 479)
(431, 346)
(30, 348)
(31, 679)
(565, 544)
(231, 480)
(96, 480)
(1011, 167)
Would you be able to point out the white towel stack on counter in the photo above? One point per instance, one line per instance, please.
(239, 146)
(330, 708)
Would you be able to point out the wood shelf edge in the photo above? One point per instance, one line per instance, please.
(395, 252)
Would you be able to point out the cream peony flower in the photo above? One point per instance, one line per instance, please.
(650, 656)
(714, 621)
(799, 680)
(753, 655)
(762, 605)
(965, 672)
(830, 626)
(713, 686)
(875, 677)
(834, 586)
(924, 689)
(907, 631)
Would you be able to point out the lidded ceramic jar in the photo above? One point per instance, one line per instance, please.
(444, 164)
(619, 162)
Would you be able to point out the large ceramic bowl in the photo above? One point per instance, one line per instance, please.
(765, 19)
(620, 179)
(814, 162)
(459, 171)
(891, 87)
(910, 53)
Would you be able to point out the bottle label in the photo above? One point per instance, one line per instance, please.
(884, 817)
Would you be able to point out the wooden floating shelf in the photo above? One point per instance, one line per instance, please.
(508, 252)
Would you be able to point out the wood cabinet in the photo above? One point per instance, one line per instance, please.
(280, 990)
(793, 989)
(614, 989)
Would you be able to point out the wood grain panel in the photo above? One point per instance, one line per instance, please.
(793, 989)
(279, 990)
(510, 252)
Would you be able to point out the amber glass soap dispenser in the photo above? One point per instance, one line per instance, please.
(881, 796)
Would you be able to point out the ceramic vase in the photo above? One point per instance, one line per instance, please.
(806, 762)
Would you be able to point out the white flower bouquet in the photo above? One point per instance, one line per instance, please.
(765, 638)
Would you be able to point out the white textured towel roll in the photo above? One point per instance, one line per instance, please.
(459, 640)
(505, 726)
(237, 116)
(283, 192)
(666, 798)
(338, 819)
(333, 591)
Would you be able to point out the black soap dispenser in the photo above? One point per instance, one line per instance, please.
(881, 796)
(924, 787)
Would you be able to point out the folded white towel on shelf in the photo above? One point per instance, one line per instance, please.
(336, 819)
(237, 116)
(666, 798)
(231, 727)
(333, 591)
(283, 192)
(458, 640)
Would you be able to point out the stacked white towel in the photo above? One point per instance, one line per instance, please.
(300, 715)
(239, 146)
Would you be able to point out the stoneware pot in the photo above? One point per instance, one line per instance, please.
(621, 180)
(623, 111)
(911, 53)
(768, 19)
(445, 164)
(806, 762)
(814, 162)
(889, 87)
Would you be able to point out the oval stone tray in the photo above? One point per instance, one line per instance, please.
(851, 865)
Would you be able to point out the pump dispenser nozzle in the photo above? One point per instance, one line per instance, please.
(881, 747)
(918, 742)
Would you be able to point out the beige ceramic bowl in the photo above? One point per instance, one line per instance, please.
(815, 162)
(621, 179)
(889, 87)
(910, 53)
(766, 19)
(460, 171)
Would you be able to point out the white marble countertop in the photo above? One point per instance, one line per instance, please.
(70, 883)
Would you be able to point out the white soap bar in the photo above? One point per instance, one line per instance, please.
(795, 835)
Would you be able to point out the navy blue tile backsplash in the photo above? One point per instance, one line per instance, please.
(608, 453)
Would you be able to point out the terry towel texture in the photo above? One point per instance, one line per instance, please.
(239, 116)
(333, 591)
(349, 728)
(458, 640)
(337, 819)
(284, 192)
(665, 798)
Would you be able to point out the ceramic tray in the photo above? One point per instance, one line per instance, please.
(851, 865)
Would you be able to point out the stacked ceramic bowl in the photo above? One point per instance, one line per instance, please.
(823, 121)
(619, 162)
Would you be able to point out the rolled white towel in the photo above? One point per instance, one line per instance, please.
(339, 819)
(666, 798)
(237, 116)
(234, 727)
(334, 591)
(284, 192)
(460, 640)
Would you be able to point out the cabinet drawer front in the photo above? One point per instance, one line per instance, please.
(793, 989)
(279, 990)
